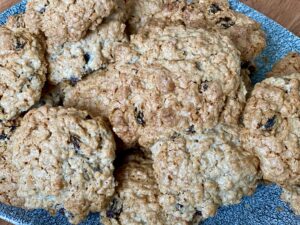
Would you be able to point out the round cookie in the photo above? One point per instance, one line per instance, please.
(288, 65)
(65, 161)
(63, 21)
(74, 60)
(198, 172)
(216, 15)
(22, 71)
(272, 123)
(136, 200)
(166, 80)
(8, 176)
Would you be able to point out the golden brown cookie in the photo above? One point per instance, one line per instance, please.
(166, 80)
(65, 161)
(199, 171)
(271, 119)
(63, 21)
(23, 72)
(288, 65)
(8, 175)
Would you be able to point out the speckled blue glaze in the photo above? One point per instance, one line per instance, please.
(264, 207)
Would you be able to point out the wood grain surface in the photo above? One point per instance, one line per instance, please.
(285, 12)
(5, 4)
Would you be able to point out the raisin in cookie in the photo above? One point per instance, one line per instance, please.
(63, 21)
(136, 201)
(65, 160)
(288, 65)
(74, 60)
(271, 119)
(216, 15)
(161, 83)
(22, 70)
(8, 176)
(198, 172)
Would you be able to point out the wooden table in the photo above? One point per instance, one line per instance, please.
(285, 12)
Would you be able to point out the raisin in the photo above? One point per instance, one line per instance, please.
(203, 86)
(214, 8)
(191, 130)
(139, 117)
(75, 140)
(86, 57)
(174, 136)
(179, 207)
(88, 117)
(13, 128)
(225, 22)
(19, 44)
(270, 123)
(74, 81)
(3, 136)
(115, 209)
(198, 213)
(42, 10)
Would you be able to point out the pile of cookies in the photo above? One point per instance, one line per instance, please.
(142, 110)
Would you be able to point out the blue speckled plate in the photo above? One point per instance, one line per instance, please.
(265, 206)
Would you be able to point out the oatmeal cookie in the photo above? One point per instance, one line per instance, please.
(23, 71)
(140, 12)
(272, 123)
(293, 198)
(65, 160)
(15, 22)
(216, 15)
(8, 176)
(74, 60)
(119, 12)
(198, 172)
(159, 84)
(136, 201)
(63, 21)
(288, 65)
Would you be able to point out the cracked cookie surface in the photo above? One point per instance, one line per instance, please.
(215, 15)
(65, 161)
(271, 119)
(74, 60)
(23, 72)
(8, 176)
(198, 172)
(69, 20)
(165, 80)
